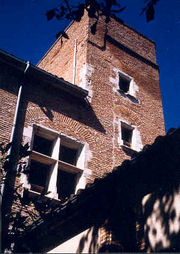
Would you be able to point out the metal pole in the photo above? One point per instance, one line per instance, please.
(10, 152)
(74, 62)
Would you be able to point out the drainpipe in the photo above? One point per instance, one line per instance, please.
(17, 111)
(74, 62)
(12, 158)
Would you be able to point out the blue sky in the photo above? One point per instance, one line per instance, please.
(27, 34)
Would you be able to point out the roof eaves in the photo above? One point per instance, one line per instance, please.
(12, 60)
(59, 83)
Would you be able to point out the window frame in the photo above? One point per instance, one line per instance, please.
(136, 142)
(129, 128)
(53, 160)
(131, 94)
(126, 78)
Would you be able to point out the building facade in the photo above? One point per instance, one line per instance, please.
(92, 102)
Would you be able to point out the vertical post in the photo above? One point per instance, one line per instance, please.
(74, 62)
(9, 179)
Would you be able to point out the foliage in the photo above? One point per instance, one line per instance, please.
(95, 9)
(25, 210)
(4, 158)
(149, 9)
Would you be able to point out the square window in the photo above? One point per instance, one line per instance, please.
(126, 132)
(55, 162)
(42, 145)
(66, 183)
(129, 138)
(124, 83)
(68, 154)
(38, 175)
(125, 86)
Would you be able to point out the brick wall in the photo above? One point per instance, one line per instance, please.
(9, 82)
(50, 108)
(59, 59)
(147, 115)
(100, 59)
(97, 65)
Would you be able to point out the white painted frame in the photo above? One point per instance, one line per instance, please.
(54, 161)
(136, 143)
(133, 88)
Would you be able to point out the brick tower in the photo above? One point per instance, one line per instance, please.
(118, 67)
(92, 102)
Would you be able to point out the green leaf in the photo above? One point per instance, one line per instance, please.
(119, 10)
(50, 14)
(150, 13)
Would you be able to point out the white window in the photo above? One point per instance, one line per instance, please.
(129, 136)
(56, 163)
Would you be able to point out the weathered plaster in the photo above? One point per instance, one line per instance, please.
(85, 78)
(136, 137)
(133, 88)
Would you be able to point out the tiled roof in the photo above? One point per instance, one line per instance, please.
(151, 169)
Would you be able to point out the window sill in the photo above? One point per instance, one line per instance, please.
(42, 158)
(69, 167)
(33, 194)
(127, 95)
(129, 151)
